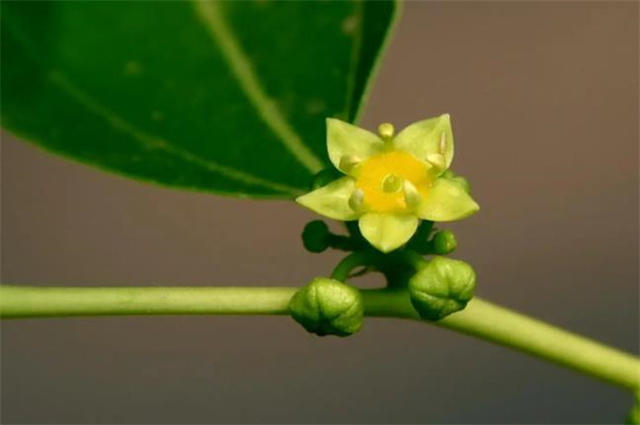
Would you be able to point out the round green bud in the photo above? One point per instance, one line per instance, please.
(328, 307)
(444, 242)
(324, 177)
(316, 236)
(441, 287)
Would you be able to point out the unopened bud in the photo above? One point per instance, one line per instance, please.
(441, 287)
(328, 307)
(324, 177)
(444, 242)
(316, 236)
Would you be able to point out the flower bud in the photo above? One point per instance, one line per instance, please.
(324, 177)
(328, 307)
(444, 242)
(316, 236)
(441, 287)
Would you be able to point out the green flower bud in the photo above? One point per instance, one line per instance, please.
(444, 242)
(316, 236)
(324, 177)
(328, 307)
(441, 287)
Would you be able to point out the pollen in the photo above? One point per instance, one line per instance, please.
(376, 176)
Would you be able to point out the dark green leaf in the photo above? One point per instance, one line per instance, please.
(228, 97)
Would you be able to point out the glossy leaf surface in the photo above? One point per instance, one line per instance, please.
(227, 97)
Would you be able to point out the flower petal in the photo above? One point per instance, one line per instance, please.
(347, 144)
(387, 231)
(428, 138)
(332, 200)
(458, 179)
(446, 200)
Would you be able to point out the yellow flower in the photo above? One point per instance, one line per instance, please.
(391, 181)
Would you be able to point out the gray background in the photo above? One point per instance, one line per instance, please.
(544, 101)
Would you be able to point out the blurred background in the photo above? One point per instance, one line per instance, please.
(544, 101)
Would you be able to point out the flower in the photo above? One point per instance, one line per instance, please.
(392, 181)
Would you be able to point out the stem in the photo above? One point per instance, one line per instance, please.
(348, 263)
(480, 319)
(490, 322)
(343, 243)
(29, 301)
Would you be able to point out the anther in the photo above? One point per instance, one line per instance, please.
(386, 131)
(348, 163)
(391, 183)
(443, 142)
(437, 160)
(411, 195)
(356, 200)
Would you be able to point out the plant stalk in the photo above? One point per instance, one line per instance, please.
(480, 319)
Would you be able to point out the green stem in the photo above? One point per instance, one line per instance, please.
(348, 263)
(490, 322)
(29, 301)
(481, 318)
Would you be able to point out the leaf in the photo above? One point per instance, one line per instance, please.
(226, 97)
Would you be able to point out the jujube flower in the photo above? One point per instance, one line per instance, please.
(391, 181)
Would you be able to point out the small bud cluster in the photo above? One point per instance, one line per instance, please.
(437, 286)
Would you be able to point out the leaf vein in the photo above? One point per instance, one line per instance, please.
(151, 142)
(209, 13)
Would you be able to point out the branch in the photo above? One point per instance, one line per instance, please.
(480, 319)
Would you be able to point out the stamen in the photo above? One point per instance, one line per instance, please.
(437, 160)
(391, 183)
(411, 195)
(443, 142)
(356, 200)
(348, 163)
(386, 131)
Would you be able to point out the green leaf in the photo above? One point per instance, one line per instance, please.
(226, 97)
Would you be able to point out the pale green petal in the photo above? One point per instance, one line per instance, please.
(427, 139)
(347, 143)
(388, 231)
(446, 200)
(332, 200)
(458, 179)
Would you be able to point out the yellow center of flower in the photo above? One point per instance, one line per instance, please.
(391, 181)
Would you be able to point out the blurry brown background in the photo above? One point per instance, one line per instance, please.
(544, 98)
